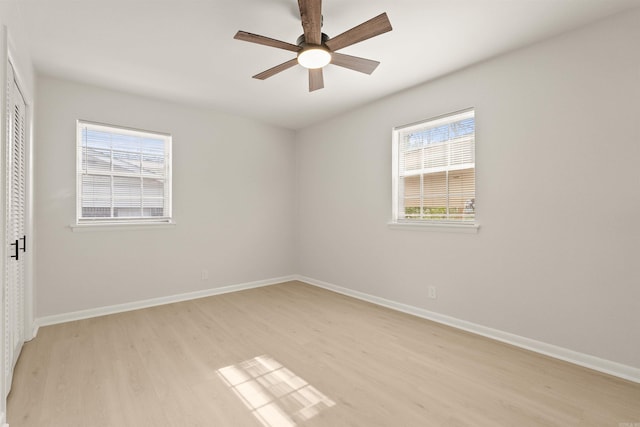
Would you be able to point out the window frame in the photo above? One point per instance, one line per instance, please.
(397, 222)
(113, 223)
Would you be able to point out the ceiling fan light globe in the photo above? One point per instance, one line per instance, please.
(314, 57)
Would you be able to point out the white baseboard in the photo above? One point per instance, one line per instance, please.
(136, 305)
(602, 365)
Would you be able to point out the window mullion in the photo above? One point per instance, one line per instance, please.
(422, 164)
(141, 195)
(448, 214)
(111, 181)
(447, 194)
(140, 174)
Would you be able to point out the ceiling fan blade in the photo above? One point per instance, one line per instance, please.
(275, 70)
(311, 16)
(371, 28)
(355, 63)
(316, 79)
(255, 38)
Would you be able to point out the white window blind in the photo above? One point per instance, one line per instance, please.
(124, 175)
(434, 170)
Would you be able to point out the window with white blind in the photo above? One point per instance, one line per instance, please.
(434, 171)
(123, 175)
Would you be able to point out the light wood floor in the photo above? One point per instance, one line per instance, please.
(293, 354)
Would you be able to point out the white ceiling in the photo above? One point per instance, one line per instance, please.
(184, 51)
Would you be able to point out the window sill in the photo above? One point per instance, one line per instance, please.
(439, 227)
(110, 226)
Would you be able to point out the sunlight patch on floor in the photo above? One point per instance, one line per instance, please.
(275, 395)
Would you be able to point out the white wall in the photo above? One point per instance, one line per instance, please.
(558, 196)
(233, 201)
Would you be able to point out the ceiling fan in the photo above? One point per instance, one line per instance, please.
(315, 49)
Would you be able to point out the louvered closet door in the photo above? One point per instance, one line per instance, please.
(14, 292)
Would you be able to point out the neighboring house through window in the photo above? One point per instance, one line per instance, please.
(434, 170)
(123, 175)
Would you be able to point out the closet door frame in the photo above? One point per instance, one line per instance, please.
(7, 58)
(30, 327)
(16, 195)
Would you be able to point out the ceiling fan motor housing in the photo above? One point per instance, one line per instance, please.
(301, 40)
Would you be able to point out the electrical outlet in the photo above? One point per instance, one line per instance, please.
(431, 292)
(205, 274)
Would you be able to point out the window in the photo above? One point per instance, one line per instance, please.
(434, 171)
(123, 175)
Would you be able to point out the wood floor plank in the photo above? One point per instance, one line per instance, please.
(293, 354)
